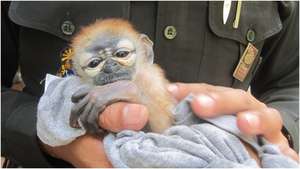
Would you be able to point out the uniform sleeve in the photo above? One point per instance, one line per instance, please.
(19, 142)
(18, 123)
(277, 80)
(9, 36)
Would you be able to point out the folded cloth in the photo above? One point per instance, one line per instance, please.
(191, 142)
(54, 110)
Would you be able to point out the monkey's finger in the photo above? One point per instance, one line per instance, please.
(120, 116)
(80, 105)
(93, 119)
(84, 116)
(79, 94)
(76, 111)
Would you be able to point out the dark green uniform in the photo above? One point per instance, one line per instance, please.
(191, 43)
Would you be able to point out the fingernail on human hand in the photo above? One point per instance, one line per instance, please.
(172, 88)
(203, 105)
(134, 117)
(205, 100)
(252, 120)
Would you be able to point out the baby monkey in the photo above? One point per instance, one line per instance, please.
(117, 64)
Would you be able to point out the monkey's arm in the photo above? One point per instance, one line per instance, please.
(91, 101)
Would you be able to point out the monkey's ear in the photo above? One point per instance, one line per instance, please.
(148, 44)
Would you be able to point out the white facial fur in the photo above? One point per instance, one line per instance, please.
(125, 43)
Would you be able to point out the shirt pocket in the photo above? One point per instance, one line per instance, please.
(225, 44)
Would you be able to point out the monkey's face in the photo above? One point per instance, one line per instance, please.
(110, 50)
(108, 58)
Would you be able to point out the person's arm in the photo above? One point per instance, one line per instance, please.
(9, 47)
(18, 109)
(277, 81)
(18, 123)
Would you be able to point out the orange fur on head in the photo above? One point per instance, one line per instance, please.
(115, 26)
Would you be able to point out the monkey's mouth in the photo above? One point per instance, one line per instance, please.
(104, 78)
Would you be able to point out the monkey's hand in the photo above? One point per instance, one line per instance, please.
(90, 102)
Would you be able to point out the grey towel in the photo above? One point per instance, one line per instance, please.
(54, 110)
(192, 142)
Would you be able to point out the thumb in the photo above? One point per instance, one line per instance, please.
(121, 116)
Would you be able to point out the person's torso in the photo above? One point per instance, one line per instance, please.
(191, 43)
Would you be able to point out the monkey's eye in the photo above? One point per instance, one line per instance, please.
(94, 63)
(122, 54)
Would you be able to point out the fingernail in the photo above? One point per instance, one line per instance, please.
(252, 120)
(133, 115)
(205, 100)
(172, 88)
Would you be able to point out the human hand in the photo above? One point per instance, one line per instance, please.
(253, 116)
(86, 151)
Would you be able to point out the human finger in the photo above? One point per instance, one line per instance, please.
(120, 116)
(181, 90)
(215, 103)
(268, 123)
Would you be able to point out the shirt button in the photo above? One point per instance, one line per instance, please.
(251, 35)
(68, 27)
(170, 32)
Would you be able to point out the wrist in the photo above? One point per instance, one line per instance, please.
(59, 152)
(45, 148)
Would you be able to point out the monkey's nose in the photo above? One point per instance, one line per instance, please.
(111, 67)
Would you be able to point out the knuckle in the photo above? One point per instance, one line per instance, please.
(178, 84)
(261, 104)
(246, 98)
(215, 95)
(205, 86)
(243, 93)
(271, 112)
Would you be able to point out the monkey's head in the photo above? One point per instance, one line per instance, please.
(110, 50)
